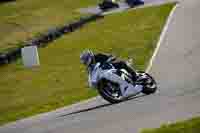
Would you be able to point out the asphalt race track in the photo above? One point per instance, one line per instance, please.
(175, 67)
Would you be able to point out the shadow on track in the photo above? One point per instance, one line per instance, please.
(97, 107)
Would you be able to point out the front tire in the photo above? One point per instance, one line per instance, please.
(150, 85)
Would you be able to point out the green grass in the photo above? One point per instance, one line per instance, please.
(61, 79)
(188, 126)
(26, 18)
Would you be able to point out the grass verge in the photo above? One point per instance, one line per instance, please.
(188, 126)
(22, 19)
(61, 79)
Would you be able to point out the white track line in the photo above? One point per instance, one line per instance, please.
(161, 38)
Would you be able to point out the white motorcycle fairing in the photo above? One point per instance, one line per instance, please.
(96, 74)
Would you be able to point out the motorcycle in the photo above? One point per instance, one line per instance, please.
(133, 3)
(109, 90)
(107, 5)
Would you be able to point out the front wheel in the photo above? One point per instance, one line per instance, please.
(149, 84)
(110, 91)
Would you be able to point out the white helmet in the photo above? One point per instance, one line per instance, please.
(87, 57)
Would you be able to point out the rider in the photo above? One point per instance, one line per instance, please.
(88, 58)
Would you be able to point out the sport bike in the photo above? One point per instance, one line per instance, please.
(110, 90)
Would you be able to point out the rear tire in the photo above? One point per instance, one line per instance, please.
(105, 93)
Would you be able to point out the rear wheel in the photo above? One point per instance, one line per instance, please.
(110, 91)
